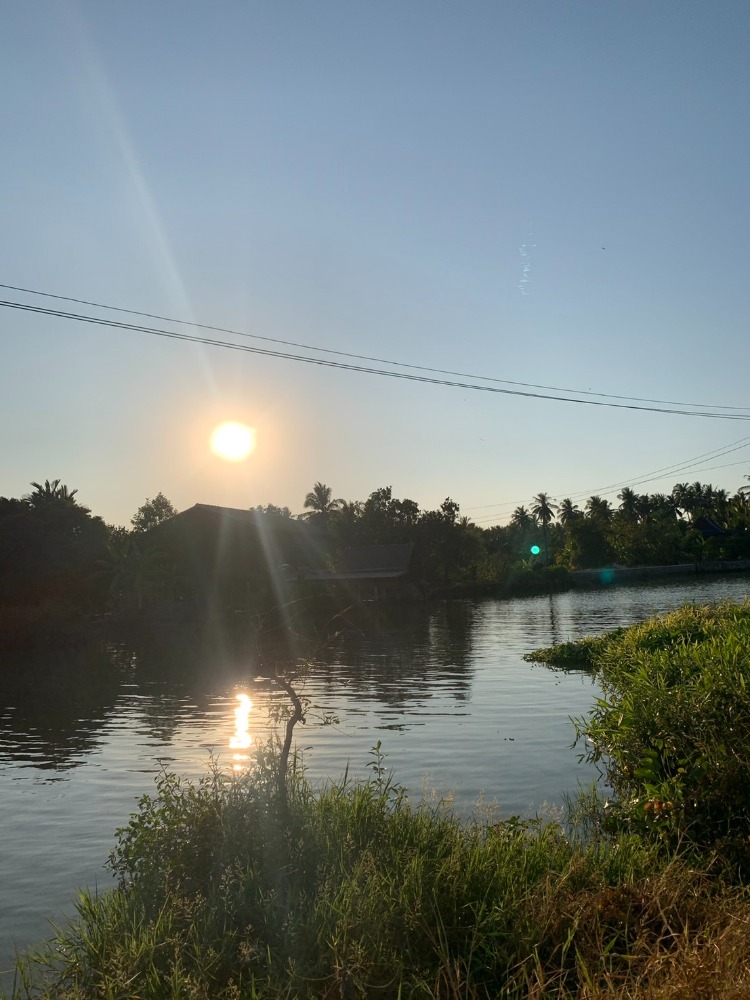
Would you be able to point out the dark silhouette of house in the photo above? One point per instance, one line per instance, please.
(369, 573)
(232, 559)
(708, 527)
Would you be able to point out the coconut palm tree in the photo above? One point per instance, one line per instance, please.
(628, 503)
(543, 512)
(520, 518)
(599, 509)
(320, 503)
(662, 505)
(681, 497)
(567, 512)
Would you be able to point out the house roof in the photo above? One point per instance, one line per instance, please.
(708, 527)
(367, 562)
(232, 535)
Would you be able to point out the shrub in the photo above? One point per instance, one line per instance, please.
(673, 729)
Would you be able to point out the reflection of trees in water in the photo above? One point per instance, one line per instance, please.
(396, 656)
(554, 629)
(402, 658)
(53, 705)
(174, 672)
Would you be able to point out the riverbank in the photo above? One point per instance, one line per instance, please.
(608, 575)
(252, 887)
(229, 890)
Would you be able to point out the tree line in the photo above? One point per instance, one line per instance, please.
(58, 558)
(695, 521)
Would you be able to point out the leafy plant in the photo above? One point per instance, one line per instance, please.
(673, 729)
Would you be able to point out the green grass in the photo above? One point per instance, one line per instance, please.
(225, 891)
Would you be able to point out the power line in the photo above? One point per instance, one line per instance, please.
(676, 467)
(365, 357)
(711, 468)
(669, 470)
(343, 366)
(656, 474)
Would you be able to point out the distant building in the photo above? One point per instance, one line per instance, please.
(369, 573)
(232, 559)
(708, 527)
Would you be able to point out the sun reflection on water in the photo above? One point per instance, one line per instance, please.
(241, 738)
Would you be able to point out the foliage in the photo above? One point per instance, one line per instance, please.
(51, 553)
(58, 561)
(320, 503)
(152, 512)
(51, 492)
(353, 892)
(141, 574)
(583, 654)
(673, 729)
(272, 510)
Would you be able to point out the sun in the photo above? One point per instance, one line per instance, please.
(232, 441)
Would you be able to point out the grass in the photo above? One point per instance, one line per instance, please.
(226, 892)
(236, 888)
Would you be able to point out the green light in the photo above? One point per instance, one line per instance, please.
(535, 550)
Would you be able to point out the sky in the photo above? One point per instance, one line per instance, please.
(536, 192)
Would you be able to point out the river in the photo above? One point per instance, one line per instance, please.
(445, 689)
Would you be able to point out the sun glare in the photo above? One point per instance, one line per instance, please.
(241, 739)
(232, 441)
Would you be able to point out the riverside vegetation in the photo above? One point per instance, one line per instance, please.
(61, 566)
(260, 886)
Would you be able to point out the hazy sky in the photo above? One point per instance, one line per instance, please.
(541, 192)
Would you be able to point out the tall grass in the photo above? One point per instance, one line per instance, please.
(225, 892)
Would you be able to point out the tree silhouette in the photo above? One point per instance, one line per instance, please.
(567, 512)
(543, 513)
(520, 518)
(599, 509)
(152, 512)
(319, 503)
(50, 492)
(629, 503)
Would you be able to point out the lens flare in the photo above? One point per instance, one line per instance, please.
(232, 441)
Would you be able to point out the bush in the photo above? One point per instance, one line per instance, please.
(673, 729)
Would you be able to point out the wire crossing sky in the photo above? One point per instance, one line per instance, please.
(318, 222)
(227, 345)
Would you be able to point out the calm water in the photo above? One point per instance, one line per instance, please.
(445, 690)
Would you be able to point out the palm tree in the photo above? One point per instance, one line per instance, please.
(681, 497)
(567, 512)
(320, 503)
(599, 509)
(720, 503)
(520, 518)
(628, 503)
(543, 512)
(50, 492)
(663, 505)
(544, 509)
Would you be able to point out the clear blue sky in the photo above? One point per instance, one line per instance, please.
(375, 178)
